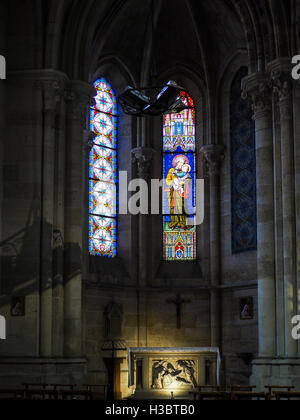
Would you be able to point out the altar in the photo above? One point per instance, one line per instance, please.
(167, 372)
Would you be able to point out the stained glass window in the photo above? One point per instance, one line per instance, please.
(179, 149)
(103, 173)
(243, 170)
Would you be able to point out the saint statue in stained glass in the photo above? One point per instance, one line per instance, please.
(179, 147)
(103, 173)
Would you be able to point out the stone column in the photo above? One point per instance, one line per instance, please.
(3, 129)
(257, 86)
(52, 86)
(59, 234)
(282, 84)
(214, 155)
(280, 327)
(143, 157)
(297, 183)
(88, 143)
(79, 97)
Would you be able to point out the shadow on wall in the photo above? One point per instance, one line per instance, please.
(36, 258)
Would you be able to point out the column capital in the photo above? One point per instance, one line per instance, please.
(53, 85)
(143, 157)
(281, 79)
(257, 87)
(213, 154)
(80, 96)
(89, 138)
(282, 84)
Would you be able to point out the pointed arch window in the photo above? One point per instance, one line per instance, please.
(179, 158)
(103, 172)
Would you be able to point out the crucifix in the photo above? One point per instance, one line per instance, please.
(178, 302)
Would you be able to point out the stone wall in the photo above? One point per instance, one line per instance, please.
(53, 56)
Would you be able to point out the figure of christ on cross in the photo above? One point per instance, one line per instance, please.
(178, 302)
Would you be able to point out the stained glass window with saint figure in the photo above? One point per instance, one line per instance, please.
(103, 173)
(179, 157)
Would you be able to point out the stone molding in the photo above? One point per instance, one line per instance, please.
(79, 96)
(56, 87)
(53, 85)
(143, 157)
(282, 85)
(278, 80)
(89, 138)
(257, 87)
(214, 155)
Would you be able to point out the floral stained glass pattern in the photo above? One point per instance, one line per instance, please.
(179, 147)
(103, 173)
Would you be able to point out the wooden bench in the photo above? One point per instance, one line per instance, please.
(277, 388)
(40, 386)
(210, 395)
(286, 395)
(76, 395)
(210, 388)
(244, 395)
(63, 386)
(40, 394)
(53, 386)
(99, 391)
(240, 388)
(43, 394)
(12, 394)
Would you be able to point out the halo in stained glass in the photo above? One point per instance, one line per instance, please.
(103, 173)
(169, 161)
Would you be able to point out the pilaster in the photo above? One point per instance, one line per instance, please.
(214, 155)
(258, 88)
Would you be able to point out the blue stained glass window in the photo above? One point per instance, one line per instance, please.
(179, 147)
(103, 173)
(243, 170)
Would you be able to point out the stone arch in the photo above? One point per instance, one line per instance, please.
(247, 22)
(115, 69)
(295, 23)
(263, 23)
(280, 21)
(238, 60)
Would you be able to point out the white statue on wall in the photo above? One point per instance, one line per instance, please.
(2, 328)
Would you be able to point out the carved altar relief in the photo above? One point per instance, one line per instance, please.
(157, 371)
(173, 373)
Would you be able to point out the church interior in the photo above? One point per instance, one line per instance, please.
(100, 293)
